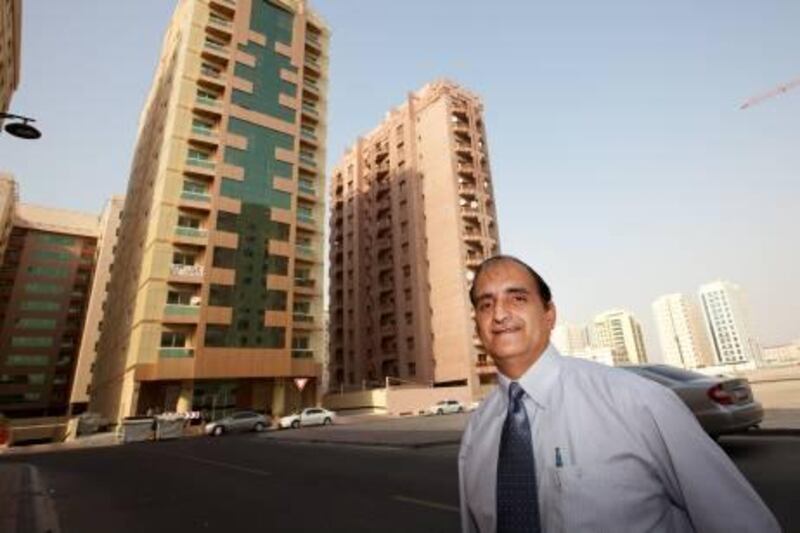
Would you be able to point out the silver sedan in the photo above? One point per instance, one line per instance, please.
(239, 421)
(721, 404)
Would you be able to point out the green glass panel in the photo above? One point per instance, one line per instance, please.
(39, 305)
(27, 360)
(37, 323)
(38, 342)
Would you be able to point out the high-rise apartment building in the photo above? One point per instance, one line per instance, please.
(680, 331)
(727, 323)
(44, 288)
(10, 39)
(412, 217)
(104, 256)
(569, 338)
(619, 330)
(217, 277)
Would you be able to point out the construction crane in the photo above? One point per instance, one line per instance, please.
(780, 89)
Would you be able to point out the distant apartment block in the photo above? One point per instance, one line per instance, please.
(782, 354)
(727, 323)
(412, 217)
(619, 330)
(683, 339)
(45, 281)
(108, 232)
(10, 44)
(217, 277)
(569, 338)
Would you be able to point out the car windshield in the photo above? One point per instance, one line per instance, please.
(677, 374)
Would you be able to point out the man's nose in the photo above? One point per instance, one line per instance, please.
(499, 312)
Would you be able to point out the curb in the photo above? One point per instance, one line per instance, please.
(403, 445)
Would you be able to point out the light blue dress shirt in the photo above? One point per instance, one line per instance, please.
(614, 453)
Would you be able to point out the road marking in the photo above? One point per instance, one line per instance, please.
(426, 503)
(220, 464)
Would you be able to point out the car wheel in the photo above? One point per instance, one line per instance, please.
(439, 412)
(295, 424)
(259, 427)
(327, 422)
(460, 409)
(217, 431)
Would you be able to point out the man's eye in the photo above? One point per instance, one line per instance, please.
(484, 306)
(520, 298)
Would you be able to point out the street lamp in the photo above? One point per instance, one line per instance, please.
(23, 130)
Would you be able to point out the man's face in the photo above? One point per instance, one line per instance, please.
(511, 318)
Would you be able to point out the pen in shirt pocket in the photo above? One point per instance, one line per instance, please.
(559, 459)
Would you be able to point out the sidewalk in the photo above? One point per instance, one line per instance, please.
(26, 507)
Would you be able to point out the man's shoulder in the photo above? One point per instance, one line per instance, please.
(589, 376)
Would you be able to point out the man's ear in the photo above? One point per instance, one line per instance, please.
(551, 315)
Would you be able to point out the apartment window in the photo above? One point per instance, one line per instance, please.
(39, 305)
(277, 264)
(224, 257)
(220, 295)
(32, 342)
(188, 222)
(36, 323)
(275, 300)
(173, 339)
(179, 298)
(409, 318)
(410, 344)
(406, 271)
(412, 369)
(43, 288)
(181, 258)
(407, 294)
(50, 272)
(63, 240)
(27, 360)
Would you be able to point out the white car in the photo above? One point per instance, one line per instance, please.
(446, 406)
(311, 416)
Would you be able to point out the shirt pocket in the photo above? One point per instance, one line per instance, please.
(604, 497)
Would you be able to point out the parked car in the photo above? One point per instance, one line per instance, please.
(445, 407)
(237, 422)
(311, 416)
(721, 404)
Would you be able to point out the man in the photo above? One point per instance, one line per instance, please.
(564, 444)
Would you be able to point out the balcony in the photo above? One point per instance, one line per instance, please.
(470, 212)
(467, 188)
(473, 260)
(310, 111)
(206, 133)
(207, 101)
(193, 196)
(219, 22)
(463, 147)
(306, 189)
(382, 169)
(185, 231)
(207, 165)
(216, 48)
(302, 354)
(175, 352)
(472, 234)
(461, 127)
(312, 64)
(305, 283)
(304, 252)
(181, 310)
(308, 161)
(465, 168)
(303, 318)
(186, 271)
(306, 219)
(311, 87)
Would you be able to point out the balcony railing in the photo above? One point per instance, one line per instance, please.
(181, 310)
(174, 352)
(308, 135)
(185, 231)
(210, 72)
(216, 47)
(306, 189)
(195, 196)
(306, 219)
(308, 160)
(302, 354)
(205, 100)
(191, 271)
(310, 109)
(205, 163)
(200, 130)
(304, 250)
(305, 282)
(219, 20)
(302, 317)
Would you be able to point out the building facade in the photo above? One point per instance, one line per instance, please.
(727, 323)
(412, 217)
(44, 288)
(108, 232)
(683, 339)
(8, 201)
(619, 330)
(10, 39)
(784, 354)
(217, 278)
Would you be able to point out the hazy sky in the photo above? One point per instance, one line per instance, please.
(623, 168)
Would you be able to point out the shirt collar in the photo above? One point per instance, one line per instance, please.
(538, 381)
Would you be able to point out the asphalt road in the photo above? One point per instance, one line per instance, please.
(254, 483)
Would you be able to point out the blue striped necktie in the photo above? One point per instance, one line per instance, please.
(517, 497)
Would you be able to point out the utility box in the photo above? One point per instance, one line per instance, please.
(136, 428)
